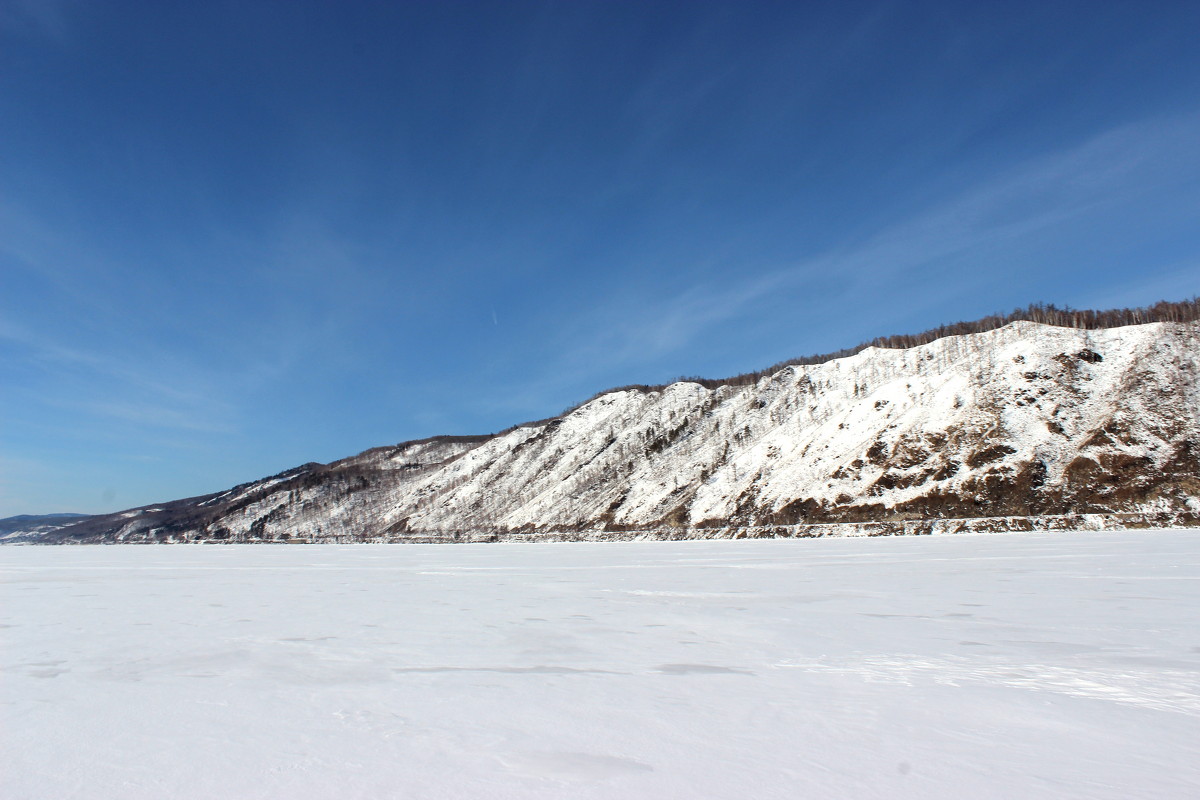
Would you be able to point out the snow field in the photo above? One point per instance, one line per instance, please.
(1017, 665)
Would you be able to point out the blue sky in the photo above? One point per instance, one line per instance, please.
(239, 236)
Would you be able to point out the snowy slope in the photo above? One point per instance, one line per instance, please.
(25, 527)
(1027, 419)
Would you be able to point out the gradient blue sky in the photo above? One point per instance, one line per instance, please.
(239, 236)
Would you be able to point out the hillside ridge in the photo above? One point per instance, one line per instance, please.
(1029, 419)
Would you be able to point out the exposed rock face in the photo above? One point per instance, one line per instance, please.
(1025, 420)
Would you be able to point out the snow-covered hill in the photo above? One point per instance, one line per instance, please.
(1024, 420)
(34, 526)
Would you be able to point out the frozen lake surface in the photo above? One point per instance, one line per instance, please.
(1017, 665)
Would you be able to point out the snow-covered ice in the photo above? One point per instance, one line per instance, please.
(1019, 665)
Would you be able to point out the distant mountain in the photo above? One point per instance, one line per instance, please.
(33, 526)
(1004, 423)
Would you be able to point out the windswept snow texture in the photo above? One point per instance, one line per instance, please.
(1015, 666)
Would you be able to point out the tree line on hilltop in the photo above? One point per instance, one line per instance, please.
(1043, 313)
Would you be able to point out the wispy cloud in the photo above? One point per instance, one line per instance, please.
(1105, 172)
(1176, 282)
(155, 415)
(42, 19)
(139, 378)
(126, 344)
(105, 386)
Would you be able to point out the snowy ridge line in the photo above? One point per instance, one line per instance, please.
(1025, 421)
(1039, 313)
